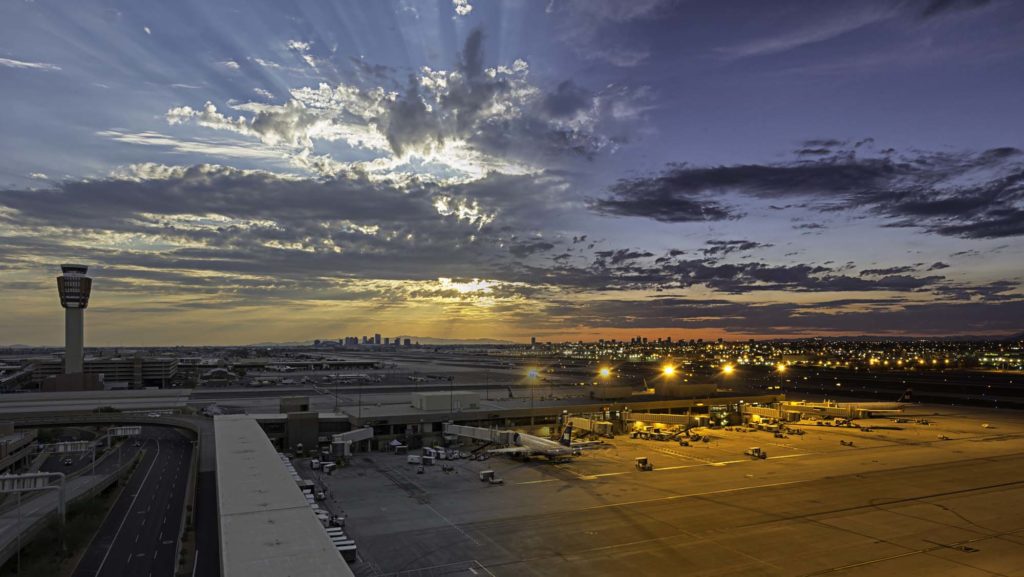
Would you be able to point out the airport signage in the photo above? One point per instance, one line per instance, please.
(129, 431)
(19, 483)
(69, 447)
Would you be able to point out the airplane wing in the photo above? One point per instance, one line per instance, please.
(511, 451)
(587, 444)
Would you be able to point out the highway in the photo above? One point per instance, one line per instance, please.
(15, 520)
(140, 535)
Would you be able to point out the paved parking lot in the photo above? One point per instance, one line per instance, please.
(899, 501)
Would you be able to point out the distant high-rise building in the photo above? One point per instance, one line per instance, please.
(366, 340)
(376, 339)
(407, 342)
(533, 341)
(387, 340)
(74, 289)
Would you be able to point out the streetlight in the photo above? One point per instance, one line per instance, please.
(532, 375)
(728, 369)
(780, 370)
(605, 372)
(668, 370)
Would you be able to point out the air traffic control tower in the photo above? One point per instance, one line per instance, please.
(74, 288)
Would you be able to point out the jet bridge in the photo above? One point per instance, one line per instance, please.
(666, 418)
(496, 436)
(341, 444)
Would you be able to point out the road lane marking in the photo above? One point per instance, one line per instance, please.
(689, 495)
(456, 527)
(130, 507)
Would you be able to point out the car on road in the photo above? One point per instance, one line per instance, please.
(67, 461)
(154, 415)
(137, 443)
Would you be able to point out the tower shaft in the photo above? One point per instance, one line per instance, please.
(74, 340)
(74, 289)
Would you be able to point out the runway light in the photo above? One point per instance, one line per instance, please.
(728, 369)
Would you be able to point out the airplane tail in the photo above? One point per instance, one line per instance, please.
(905, 398)
(566, 438)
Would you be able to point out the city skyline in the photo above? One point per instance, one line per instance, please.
(239, 173)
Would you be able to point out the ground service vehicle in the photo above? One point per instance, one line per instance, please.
(756, 453)
(643, 464)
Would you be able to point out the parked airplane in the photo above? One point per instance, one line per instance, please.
(527, 445)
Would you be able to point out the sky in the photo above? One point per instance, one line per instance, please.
(250, 171)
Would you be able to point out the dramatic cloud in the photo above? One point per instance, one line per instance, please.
(859, 316)
(462, 7)
(657, 198)
(971, 195)
(215, 219)
(471, 120)
(721, 248)
(525, 249)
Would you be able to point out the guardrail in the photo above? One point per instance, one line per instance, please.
(8, 550)
(188, 509)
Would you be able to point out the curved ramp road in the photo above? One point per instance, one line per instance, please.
(140, 535)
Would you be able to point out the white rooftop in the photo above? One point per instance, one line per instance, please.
(267, 528)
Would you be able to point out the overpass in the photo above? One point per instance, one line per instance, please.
(131, 400)
(37, 410)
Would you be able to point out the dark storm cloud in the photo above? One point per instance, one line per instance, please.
(626, 269)
(994, 291)
(567, 101)
(866, 316)
(938, 266)
(978, 195)
(886, 271)
(227, 232)
(660, 199)
(726, 247)
(213, 222)
(526, 249)
(616, 257)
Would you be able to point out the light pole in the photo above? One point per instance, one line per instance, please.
(451, 398)
(532, 379)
